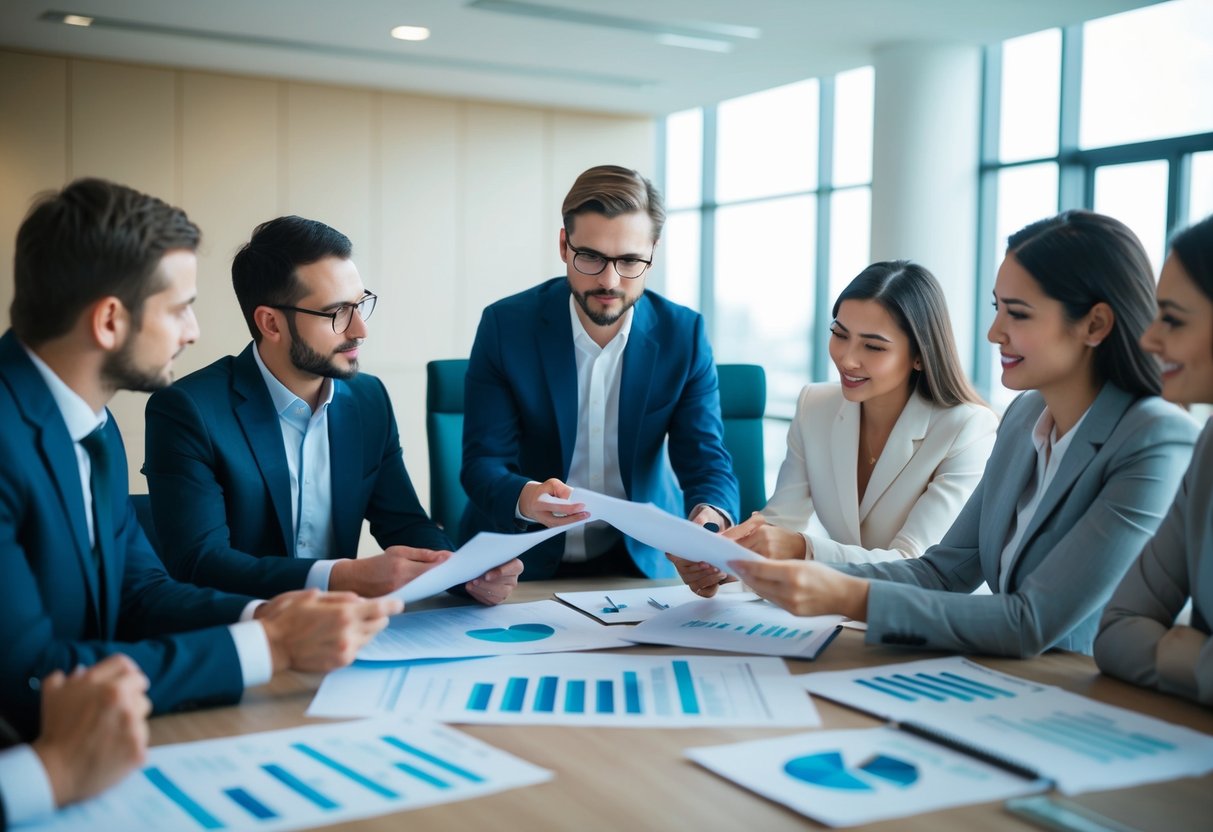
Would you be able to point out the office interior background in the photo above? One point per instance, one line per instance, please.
(795, 142)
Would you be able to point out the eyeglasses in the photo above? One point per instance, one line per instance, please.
(343, 315)
(592, 263)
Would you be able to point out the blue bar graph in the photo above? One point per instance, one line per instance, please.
(661, 692)
(574, 697)
(170, 790)
(479, 700)
(345, 771)
(606, 696)
(545, 694)
(292, 782)
(956, 688)
(759, 630)
(686, 687)
(631, 692)
(753, 629)
(930, 687)
(423, 776)
(936, 687)
(976, 684)
(881, 689)
(515, 693)
(434, 760)
(254, 806)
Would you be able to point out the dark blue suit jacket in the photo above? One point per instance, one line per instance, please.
(221, 492)
(56, 611)
(521, 416)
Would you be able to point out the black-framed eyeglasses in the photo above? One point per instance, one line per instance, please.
(343, 315)
(592, 263)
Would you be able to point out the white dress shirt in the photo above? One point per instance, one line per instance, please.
(252, 646)
(305, 438)
(25, 785)
(1049, 452)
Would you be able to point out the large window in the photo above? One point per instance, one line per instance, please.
(769, 199)
(1115, 115)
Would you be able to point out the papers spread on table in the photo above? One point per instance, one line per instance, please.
(460, 632)
(591, 689)
(661, 530)
(480, 554)
(740, 626)
(316, 775)
(847, 778)
(1081, 744)
(629, 606)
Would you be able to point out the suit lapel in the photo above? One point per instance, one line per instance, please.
(639, 361)
(57, 450)
(555, 336)
(844, 454)
(903, 441)
(345, 467)
(259, 421)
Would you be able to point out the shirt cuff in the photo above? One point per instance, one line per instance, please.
(318, 575)
(250, 609)
(25, 785)
(728, 519)
(253, 651)
(518, 515)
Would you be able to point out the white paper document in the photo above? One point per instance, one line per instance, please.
(1080, 743)
(659, 529)
(483, 552)
(630, 606)
(318, 775)
(507, 629)
(848, 778)
(739, 626)
(590, 689)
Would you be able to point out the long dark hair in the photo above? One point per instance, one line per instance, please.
(1081, 258)
(915, 300)
(1194, 249)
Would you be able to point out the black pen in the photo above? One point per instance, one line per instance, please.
(988, 757)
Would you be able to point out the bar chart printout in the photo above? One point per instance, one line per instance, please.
(743, 625)
(299, 778)
(1080, 743)
(844, 778)
(579, 689)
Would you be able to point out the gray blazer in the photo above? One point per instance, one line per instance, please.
(1107, 498)
(1138, 638)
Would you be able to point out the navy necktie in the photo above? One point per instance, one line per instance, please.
(99, 479)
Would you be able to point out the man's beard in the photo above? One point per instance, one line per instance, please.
(120, 372)
(603, 317)
(307, 360)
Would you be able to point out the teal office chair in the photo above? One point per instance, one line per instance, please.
(444, 434)
(743, 401)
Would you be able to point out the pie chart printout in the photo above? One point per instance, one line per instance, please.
(827, 770)
(516, 633)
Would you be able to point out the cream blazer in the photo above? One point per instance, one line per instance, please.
(932, 461)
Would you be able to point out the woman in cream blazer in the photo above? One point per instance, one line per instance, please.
(1140, 639)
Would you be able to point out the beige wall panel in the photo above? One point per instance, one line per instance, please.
(418, 232)
(506, 241)
(407, 391)
(328, 163)
(124, 126)
(33, 147)
(229, 176)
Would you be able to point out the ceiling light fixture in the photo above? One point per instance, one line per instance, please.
(410, 33)
(77, 20)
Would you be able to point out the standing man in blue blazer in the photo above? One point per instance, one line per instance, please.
(262, 466)
(105, 283)
(589, 380)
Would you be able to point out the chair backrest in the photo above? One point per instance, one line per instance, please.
(143, 513)
(444, 434)
(743, 401)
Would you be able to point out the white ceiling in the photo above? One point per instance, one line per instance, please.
(602, 60)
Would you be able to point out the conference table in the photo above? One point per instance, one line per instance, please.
(638, 779)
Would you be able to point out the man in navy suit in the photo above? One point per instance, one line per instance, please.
(585, 381)
(105, 282)
(262, 466)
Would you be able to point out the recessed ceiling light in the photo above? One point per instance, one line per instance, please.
(77, 20)
(410, 33)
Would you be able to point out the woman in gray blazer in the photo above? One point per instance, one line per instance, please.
(1139, 639)
(1083, 469)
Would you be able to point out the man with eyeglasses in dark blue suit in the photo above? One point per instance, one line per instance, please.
(262, 466)
(585, 381)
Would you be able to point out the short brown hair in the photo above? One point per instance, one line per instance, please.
(91, 240)
(611, 190)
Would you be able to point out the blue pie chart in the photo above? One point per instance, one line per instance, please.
(828, 771)
(515, 634)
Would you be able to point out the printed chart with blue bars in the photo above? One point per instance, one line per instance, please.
(301, 777)
(743, 626)
(604, 689)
